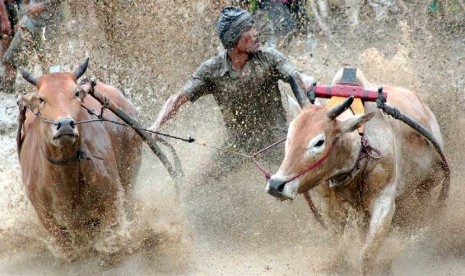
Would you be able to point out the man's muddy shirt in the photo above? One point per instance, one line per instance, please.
(250, 100)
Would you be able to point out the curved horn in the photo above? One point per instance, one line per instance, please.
(298, 93)
(30, 78)
(81, 69)
(337, 110)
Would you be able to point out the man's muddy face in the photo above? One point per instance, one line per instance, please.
(249, 41)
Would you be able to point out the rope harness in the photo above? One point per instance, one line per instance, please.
(79, 157)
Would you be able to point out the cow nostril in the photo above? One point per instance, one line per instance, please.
(65, 124)
(275, 187)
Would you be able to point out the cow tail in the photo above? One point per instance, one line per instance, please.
(444, 193)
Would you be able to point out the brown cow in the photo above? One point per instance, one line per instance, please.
(342, 171)
(76, 175)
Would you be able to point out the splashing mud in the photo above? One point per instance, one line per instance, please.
(232, 227)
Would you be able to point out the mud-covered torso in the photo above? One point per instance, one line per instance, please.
(249, 99)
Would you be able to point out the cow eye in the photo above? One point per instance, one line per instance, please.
(41, 100)
(320, 143)
(77, 94)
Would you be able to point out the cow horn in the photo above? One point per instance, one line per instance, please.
(81, 69)
(337, 110)
(30, 78)
(298, 93)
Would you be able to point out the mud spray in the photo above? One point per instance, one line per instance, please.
(232, 227)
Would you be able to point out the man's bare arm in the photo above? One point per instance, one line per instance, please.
(169, 109)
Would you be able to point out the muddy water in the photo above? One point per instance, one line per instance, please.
(232, 227)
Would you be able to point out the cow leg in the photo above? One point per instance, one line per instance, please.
(423, 191)
(114, 234)
(334, 211)
(427, 200)
(381, 8)
(58, 232)
(323, 8)
(353, 10)
(381, 212)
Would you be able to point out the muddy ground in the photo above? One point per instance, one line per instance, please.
(233, 227)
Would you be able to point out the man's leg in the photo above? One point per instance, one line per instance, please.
(11, 51)
(18, 53)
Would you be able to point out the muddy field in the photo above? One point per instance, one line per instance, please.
(234, 227)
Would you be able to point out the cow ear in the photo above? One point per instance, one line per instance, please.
(355, 122)
(293, 107)
(85, 88)
(30, 100)
(80, 93)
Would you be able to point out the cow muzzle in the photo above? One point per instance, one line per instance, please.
(65, 129)
(281, 189)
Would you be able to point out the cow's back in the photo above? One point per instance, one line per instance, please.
(413, 159)
(410, 104)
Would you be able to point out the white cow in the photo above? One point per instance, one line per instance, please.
(328, 152)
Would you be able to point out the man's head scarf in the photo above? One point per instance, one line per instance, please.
(231, 24)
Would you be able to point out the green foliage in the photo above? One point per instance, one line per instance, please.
(447, 7)
(433, 7)
(253, 6)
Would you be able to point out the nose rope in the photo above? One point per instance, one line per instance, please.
(312, 207)
(264, 171)
(252, 157)
(51, 122)
(312, 166)
(42, 119)
(79, 157)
